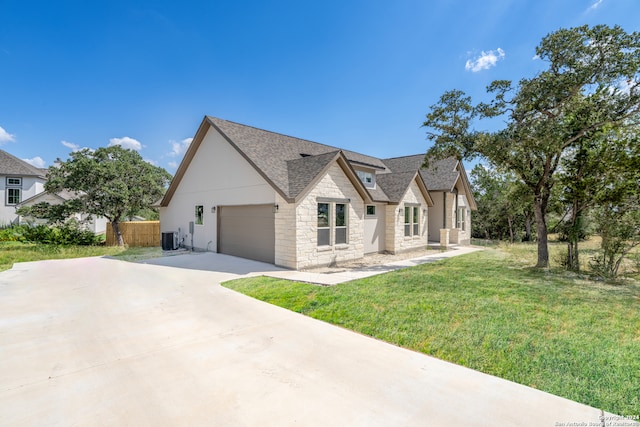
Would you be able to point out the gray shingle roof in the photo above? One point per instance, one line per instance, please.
(440, 175)
(11, 165)
(291, 164)
(395, 184)
(282, 158)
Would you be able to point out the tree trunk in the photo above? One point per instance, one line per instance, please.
(510, 221)
(540, 209)
(117, 232)
(527, 229)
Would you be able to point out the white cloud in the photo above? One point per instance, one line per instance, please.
(178, 148)
(151, 162)
(6, 136)
(595, 5)
(485, 61)
(126, 142)
(70, 145)
(37, 162)
(173, 165)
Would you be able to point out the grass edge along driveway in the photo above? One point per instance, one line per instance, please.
(562, 334)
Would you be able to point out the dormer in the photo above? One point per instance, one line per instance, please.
(367, 176)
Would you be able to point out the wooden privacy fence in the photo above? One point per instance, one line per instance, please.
(136, 233)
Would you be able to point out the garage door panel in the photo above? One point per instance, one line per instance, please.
(247, 231)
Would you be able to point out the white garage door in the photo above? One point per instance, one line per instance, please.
(247, 231)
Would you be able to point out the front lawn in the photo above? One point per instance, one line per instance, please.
(556, 332)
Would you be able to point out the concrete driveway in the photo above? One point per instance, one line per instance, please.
(102, 342)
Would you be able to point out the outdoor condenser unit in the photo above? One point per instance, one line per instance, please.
(169, 241)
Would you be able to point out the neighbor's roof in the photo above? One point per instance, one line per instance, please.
(63, 195)
(11, 165)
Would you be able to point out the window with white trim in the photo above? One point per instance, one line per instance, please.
(199, 212)
(333, 223)
(411, 221)
(14, 191)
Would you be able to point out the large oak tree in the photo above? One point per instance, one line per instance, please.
(112, 182)
(590, 87)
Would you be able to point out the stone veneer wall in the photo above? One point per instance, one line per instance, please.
(285, 229)
(334, 184)
(395, 239)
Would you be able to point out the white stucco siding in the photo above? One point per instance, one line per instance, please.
(396, 239)
(333, 185)
(217, 176)
(29, 188)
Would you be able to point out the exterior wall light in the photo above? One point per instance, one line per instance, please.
(275, 208)
(213, 209)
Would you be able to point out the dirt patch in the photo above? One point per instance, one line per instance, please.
(373, 260)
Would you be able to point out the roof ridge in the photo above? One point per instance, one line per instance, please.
(34, 170)
(295, 137)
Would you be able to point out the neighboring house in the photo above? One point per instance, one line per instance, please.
(18, 181)
(97, 224)
(296, 203)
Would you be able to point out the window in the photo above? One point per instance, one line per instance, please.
(14, 190)
(367, 178)
(411, 221)
(199, 215)
(324, 223)
(332, 223)
(462, 219)
(13, 196)
(371, 210)
(341, 224)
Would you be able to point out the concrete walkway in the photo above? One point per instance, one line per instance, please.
(97, 341)
(210, 261)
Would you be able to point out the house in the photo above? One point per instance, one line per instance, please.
(18, 181)
(95, 224)
(257, 194)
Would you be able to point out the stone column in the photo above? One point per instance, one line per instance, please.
(444, 238)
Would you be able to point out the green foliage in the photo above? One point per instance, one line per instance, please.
(591, 87)
(504, 206)
(65, 234)
(112, 182)
(620, 233)
(554, 332)
(53, 214)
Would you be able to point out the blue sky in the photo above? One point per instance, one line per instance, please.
(359, 75)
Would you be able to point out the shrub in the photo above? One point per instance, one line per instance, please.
(66, 234)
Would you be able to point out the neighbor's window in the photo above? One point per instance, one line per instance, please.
(14, 181)
(371, 210)
(462, 219)
(324, 225)
(199, 214)
(411, 223)
(13, 196)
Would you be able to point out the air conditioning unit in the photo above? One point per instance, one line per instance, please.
(169, 241)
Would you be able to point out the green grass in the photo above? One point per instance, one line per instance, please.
(12, 252)
(555, 332)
